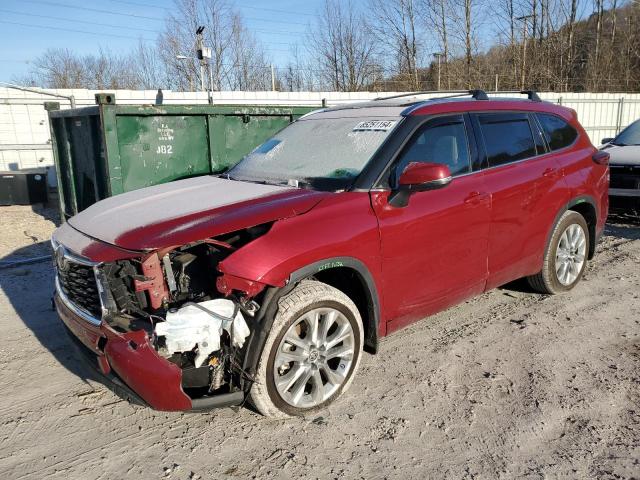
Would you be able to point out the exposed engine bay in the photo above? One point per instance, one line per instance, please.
(174, 295)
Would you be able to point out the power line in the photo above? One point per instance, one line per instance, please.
(51, 17)
(264, 9)
(97, 10)
(288, 44)
(287, 22)
(77, 21)
(140, 4)
(273, 32)
(276, 10)
(266, 47)
(76, 31)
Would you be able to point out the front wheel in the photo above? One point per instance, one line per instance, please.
(566, 256)
(311, 353)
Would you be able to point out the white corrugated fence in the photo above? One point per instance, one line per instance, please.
(25, 139)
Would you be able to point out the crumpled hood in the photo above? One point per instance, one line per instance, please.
(184, 211)
(623, 155)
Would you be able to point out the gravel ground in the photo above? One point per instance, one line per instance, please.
(508, 385)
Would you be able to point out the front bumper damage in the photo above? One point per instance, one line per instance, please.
(169, 354)
(130, 362)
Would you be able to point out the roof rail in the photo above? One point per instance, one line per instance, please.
(476, 94)
(479, 94)
(531, 94)
(447, 94)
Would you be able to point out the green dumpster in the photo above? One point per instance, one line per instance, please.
(107, 149)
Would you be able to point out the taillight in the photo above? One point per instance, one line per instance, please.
(601, 158)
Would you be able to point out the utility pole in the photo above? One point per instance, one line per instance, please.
(204, 55)
(411, 13)
(273, 79)
(524, 19)
(438, 55)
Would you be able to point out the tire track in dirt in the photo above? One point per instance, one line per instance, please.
(508, 384)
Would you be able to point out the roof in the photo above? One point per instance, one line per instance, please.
(409, 103)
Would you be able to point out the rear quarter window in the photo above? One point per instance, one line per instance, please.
(507, 137)
(559, 134)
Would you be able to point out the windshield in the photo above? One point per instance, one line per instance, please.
(322, 151)
(629, 136)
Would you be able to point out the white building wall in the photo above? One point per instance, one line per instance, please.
(25, 136)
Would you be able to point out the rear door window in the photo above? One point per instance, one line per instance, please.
(507, 137)
(559, 134)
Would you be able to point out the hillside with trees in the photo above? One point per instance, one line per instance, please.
(383, 45)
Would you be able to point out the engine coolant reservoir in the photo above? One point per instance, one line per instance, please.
(189, 326)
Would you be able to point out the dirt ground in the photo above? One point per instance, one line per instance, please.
(508, 385)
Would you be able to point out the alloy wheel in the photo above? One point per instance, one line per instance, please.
(570, 254)
(314, 357)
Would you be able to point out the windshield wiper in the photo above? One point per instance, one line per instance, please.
(261, 182)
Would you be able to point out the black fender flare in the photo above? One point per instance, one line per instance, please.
(567, 206)
(261, 323)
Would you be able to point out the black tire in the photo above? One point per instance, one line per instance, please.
(308, 295)
(546, 281)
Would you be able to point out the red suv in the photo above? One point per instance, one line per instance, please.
(267, 282)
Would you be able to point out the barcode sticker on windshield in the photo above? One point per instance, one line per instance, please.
(374, 125)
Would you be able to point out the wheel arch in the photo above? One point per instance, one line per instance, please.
(338, 272)
(335, 271)
(585, 205)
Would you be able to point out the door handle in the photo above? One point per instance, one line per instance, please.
(475, 198)
(550, 172)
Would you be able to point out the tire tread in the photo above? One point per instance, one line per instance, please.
(307, 291)
(542, 282)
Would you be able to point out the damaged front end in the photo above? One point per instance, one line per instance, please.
(172, 325)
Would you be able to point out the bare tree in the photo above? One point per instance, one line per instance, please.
(436, 16)
(300, 73)
(237, 59)
(57, 68)
(573, 12)
(594, 64)
(249, 66)
(571, 45)
(343, 46)
(467, 40)
(396, 27)
(148, 67)
(467, 17)
(61, 68)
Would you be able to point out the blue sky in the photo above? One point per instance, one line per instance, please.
(29, 27)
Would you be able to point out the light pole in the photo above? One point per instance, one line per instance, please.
(438, 55)
(524, 19)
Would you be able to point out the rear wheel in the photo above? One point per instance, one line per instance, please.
(566, 256)
(311, 354)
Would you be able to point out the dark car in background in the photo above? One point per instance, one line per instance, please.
(624, 151)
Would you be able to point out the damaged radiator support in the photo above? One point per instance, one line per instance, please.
(175, 295)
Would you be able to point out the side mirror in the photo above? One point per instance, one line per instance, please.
(607, 140)
(419, 177)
